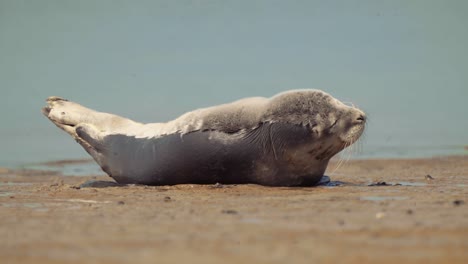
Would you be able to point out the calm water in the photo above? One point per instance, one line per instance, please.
(404, 63)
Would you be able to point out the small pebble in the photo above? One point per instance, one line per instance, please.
(429, 177)
(229, 212)
(409, 211)
(378, 184)
(120, 202)
(458, 202)
(167, 199)
(380, 215)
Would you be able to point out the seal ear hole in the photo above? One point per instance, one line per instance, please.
(313, 128)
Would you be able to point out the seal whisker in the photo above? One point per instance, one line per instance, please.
(342, 160)
(348, 152)
(351, 151)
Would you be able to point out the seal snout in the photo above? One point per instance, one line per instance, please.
(358, 117)
(361, 118)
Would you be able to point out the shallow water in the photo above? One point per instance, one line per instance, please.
(14, 183)
(412, 183)
(383, 198)
(4, 194)
(69, 169)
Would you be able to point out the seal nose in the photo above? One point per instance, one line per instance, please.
(361, 118)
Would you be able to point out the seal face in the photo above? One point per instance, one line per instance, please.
(286, 140)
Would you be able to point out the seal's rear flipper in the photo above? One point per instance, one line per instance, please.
(92, 136)
(66, 113)
(79, 122)
(63, 112)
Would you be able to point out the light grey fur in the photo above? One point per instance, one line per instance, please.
(288, 138)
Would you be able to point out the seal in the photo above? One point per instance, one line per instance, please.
(285, 140)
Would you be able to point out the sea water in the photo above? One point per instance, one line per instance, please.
(404, 64)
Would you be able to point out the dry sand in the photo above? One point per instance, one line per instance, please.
(47, 218)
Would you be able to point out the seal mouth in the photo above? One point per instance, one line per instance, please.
(353, 134)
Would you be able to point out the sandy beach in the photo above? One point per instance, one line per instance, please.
(375, 211)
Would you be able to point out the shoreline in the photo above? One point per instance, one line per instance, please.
(371, 153)
(58, 163)
(87, 166)
(383, 211)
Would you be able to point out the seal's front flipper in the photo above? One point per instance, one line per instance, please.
(324, 180)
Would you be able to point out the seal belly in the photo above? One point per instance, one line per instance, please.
(263, 155)
(197, 157)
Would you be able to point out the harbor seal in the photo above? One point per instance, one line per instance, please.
(285, 140)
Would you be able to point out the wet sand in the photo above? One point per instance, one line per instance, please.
(411, 218)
